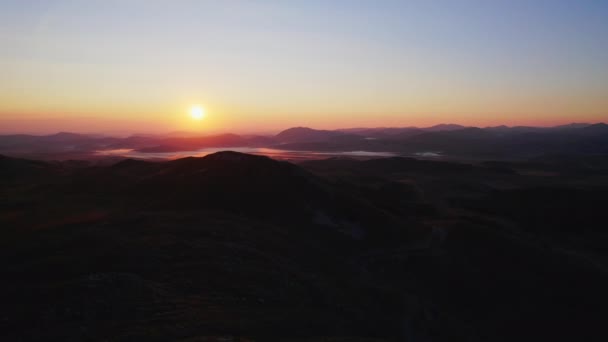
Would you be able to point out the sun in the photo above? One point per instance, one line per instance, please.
(197, 112)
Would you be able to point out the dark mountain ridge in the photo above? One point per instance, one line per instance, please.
(245, 184)
(500, 142)
(305, 134)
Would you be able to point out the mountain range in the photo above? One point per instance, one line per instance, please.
(455, 141)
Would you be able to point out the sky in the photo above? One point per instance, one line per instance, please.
(262, 65)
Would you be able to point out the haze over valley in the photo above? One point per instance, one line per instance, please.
(440, 141)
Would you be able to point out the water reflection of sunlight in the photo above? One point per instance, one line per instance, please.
(269, 152)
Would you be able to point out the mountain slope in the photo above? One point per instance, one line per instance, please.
(239, 247)
(305, 134)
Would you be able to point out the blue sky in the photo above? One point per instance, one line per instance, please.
(276, 63)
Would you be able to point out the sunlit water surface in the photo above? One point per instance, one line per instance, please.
(269, 152)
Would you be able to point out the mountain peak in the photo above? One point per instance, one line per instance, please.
(598, 129)
(444, 127)
(232, 156)
(298, 128)
(573, 125)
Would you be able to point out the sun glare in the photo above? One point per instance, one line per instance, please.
(197, 112)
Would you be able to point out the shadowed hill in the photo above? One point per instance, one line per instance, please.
(252, 245)
(24, 170)
(245, 184)
(233, 246)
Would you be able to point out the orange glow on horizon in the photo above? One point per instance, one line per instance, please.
(238, 121)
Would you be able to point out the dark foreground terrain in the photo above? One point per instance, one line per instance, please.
(234, 247)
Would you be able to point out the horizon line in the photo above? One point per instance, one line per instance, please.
(274, 132)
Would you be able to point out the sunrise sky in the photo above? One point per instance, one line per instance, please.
(261, 66)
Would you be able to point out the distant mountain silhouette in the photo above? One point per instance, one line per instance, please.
(305, 134)
(444, 127)
(500, 142)
(571, 125)
(384, 132)
(596, 129)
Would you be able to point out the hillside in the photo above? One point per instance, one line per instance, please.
(233, 245)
